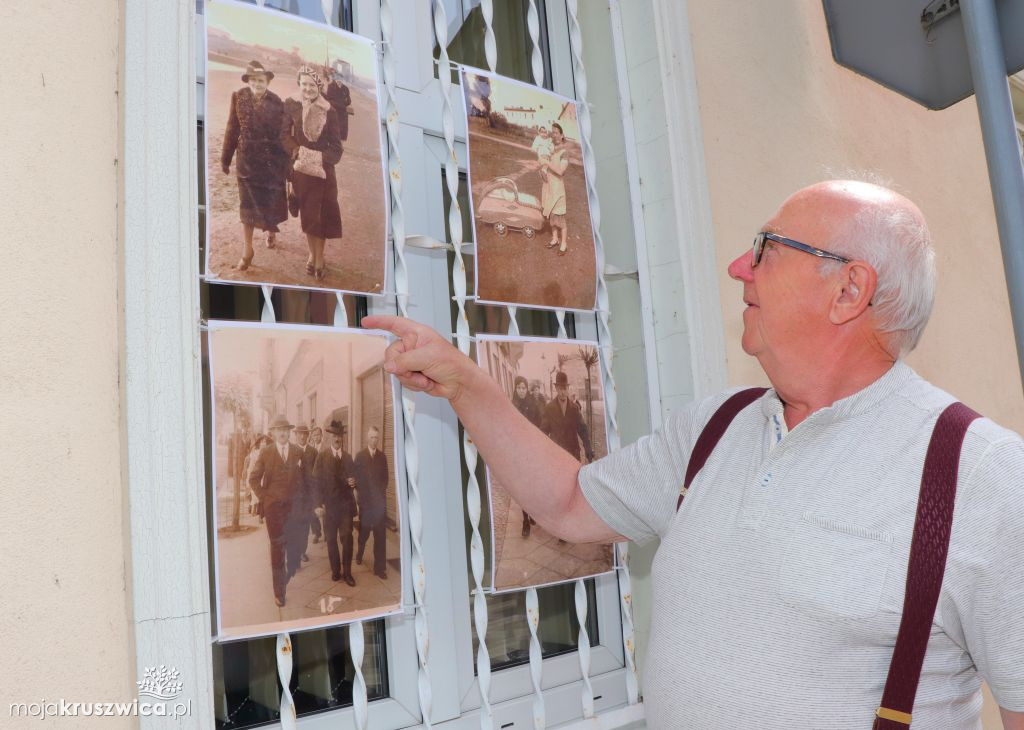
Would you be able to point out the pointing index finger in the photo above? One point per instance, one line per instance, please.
(396, 325)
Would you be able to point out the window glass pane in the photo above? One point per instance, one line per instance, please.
(341, 11)
(511, 34)
(508, 634)
(247, 691)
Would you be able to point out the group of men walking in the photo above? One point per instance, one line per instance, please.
(294, 478)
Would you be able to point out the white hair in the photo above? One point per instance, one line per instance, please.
(898, 246)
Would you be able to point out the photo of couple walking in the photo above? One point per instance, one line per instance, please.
(528, 191)
(294, 175)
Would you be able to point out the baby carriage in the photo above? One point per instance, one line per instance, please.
(504, 207)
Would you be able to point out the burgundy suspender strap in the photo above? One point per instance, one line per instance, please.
(927, 565)
(713, 432)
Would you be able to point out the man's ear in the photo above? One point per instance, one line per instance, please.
(855, 289)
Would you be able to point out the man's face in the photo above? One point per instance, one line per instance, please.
(316, 437)
(787, 297)
(521, 390)
(281, 436)
(336, 440)
(302, 437)
(535, 391)
(562, 391)
(258, 84)
(372, 439)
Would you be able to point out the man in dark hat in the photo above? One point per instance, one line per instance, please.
(305, 502)
(372, 485)
(276, 477)
(338, 95)
(335, 475)
(563, 422)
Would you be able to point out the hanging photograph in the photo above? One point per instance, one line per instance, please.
(557, 385)
(528, 196)
(305, 506)
(295, 181)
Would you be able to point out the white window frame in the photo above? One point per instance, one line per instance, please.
(163, 391)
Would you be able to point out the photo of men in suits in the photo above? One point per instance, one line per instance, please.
(557, 387)
(303, 511)
(372, 480)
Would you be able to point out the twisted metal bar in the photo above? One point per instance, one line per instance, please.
(411, 451)
(490, 45)
(583, 648)
(284, 642)
(473, 497)
(536, 658)
(284, 673)
(355, 648)
(604, 335)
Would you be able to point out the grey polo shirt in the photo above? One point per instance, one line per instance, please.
(778, 587)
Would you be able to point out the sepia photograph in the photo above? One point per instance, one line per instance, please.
(557, 386)
(305, 502)
(528, 196)
(295, 178)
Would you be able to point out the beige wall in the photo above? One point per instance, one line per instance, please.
(65, 624)
(778, 113)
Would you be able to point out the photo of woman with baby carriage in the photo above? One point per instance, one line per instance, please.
(295, 181)
(528, 192)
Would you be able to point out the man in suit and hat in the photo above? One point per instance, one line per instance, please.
(276, 477)
(372, 486)
(338, 95)
(335, 475)
(305, 502)
(563, 422)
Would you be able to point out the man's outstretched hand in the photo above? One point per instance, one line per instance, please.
(422, 359)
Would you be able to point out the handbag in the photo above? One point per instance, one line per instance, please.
(310, 162)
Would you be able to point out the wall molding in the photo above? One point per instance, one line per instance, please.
(691, 198)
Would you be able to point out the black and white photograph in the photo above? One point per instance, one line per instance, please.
(528, 192)
(557, 386)
(295, 180)
(306, 509)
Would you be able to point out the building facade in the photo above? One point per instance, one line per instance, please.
(704, 120)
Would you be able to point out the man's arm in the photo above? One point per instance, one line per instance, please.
(256, 474)
(538, 473)
(1012, 720)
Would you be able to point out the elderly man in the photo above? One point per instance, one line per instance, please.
(779, 582)
(277, 479)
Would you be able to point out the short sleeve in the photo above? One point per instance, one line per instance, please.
(984, 600)
(635, 489)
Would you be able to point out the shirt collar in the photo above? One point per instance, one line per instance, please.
(863, 400)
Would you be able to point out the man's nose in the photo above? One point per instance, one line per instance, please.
(742, 268)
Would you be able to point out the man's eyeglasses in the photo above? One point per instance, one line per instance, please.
(763, 236)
